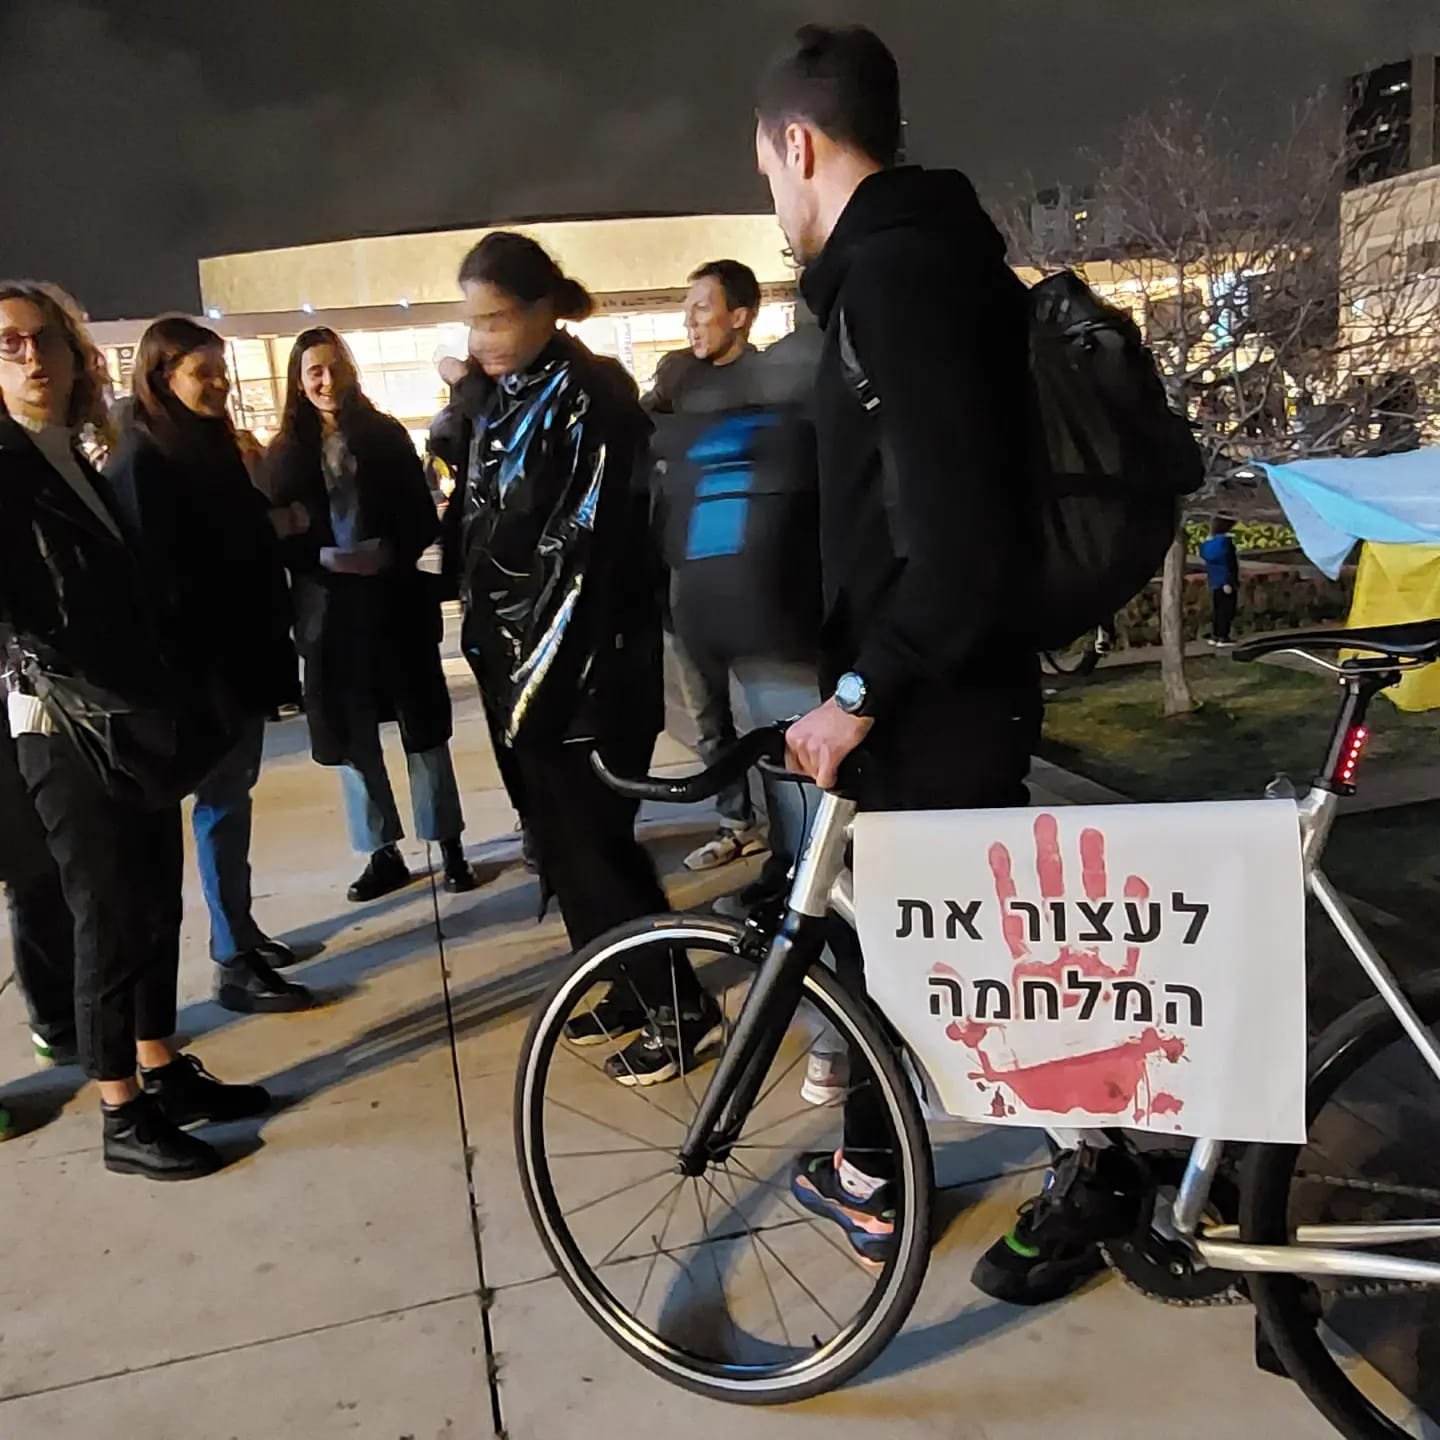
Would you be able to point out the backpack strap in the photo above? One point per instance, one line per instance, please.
(866, 394)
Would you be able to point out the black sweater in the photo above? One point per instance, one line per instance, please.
(919, 591)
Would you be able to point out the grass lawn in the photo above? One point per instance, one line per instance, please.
(1256, 720)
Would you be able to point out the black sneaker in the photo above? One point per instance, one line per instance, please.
(869, 1225)
(141, 1140)
(386, 873)
(249, 985)
(186, 1092)
(1090, 1194)
(278, 954)
(459, 877)
(764, 898)
(616, 1018)
(662, 1049)
(57, 1051)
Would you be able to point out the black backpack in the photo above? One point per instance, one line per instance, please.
(1110, 462)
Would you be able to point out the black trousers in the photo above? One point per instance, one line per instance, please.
(599, 872)
(1222, 612)
(43, 936)
(949, 752)
(120, 872)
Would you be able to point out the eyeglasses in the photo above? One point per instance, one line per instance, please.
(15, 344)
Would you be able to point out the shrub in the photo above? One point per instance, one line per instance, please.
(1248, 536)
(1274, 598)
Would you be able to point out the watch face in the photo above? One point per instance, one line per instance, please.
(850, 692)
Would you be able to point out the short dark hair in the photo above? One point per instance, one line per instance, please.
(844, 81)
(737, 280)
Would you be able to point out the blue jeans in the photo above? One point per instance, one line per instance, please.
(774, 690)
(223, 813)
(370, 809)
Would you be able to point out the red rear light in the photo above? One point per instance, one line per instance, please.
(1350, 755)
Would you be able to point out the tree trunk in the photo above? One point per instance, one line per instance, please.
(1178, 700)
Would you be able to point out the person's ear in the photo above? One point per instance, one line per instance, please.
(800, 149)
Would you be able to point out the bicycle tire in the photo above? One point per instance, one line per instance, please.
(837, 1362)
(1336, 1056)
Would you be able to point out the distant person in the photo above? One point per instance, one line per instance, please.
(186, 496)
(550, 539)
(83, 631)
(1222, 574)
(367, 620)
(716, 373)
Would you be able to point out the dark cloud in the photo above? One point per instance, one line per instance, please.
(141, 136)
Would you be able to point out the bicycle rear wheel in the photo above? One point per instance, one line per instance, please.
(723, 1283)
(1366, 1353)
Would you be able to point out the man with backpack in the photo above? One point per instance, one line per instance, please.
(924, 421)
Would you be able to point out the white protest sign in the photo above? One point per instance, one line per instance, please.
(1133, 965)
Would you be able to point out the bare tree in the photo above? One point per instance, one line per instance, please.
(1285, 314)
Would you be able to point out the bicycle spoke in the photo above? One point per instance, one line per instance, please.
(659, 1245)
(610, 1253)
(807, 1109)
(814, 1298)
(622, 1150)
(820, 1226)
(715, 1264)
(770, 1089)
(764, 1273)
(637, 1089)
(679, 1038)
(606, 1125)
(611, 1194)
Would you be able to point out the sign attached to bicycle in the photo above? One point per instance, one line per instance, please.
(1138, 966)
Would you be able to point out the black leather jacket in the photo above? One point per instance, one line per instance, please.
(550, 543)
(70, 589)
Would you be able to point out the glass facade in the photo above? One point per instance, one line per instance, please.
(398, 366)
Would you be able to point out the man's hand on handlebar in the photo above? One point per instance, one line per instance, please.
(818, 743)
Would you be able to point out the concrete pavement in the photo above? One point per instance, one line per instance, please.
(366, 1267)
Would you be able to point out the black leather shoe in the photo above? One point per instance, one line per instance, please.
(249, 985)
(386, 873)
(459, 877)
(187, 1092)
(278, 954)
(140, 1140)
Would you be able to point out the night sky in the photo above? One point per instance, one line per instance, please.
(141, 134)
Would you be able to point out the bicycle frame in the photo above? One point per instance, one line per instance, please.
(823, 884)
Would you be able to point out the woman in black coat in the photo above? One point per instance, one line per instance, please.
(550, 539)
(203, 532)
(108, 737)
(367, 620)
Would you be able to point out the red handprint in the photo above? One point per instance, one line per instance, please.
(1105, 1081)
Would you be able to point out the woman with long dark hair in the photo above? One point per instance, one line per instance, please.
(367, 620)
(551, 540)
(203, 533)
(108, 734)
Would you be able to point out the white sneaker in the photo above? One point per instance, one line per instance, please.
(725, 847)
(827, 1077)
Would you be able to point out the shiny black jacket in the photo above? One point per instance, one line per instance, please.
(71, 590)
(551, 547)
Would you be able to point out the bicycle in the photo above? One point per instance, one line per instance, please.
(761, 1302)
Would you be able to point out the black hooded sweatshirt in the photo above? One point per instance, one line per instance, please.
(920, 586)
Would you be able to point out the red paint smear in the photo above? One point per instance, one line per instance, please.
(967, 1032)
(1104, 1083)
(1092, 864)
(941, 968)
(1164, 1104)
(1087, 962)
(997, 1106)
(1049, 868)
(1004, 875)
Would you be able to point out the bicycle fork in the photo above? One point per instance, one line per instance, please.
(775, 995)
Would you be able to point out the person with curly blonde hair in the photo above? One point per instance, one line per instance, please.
(107, 740)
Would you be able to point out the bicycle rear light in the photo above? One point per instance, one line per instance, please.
(1350, 751)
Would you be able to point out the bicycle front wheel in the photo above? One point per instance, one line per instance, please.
(726, 1283)
(1365, 1352)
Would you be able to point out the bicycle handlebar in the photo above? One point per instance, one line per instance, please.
(764, 744)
